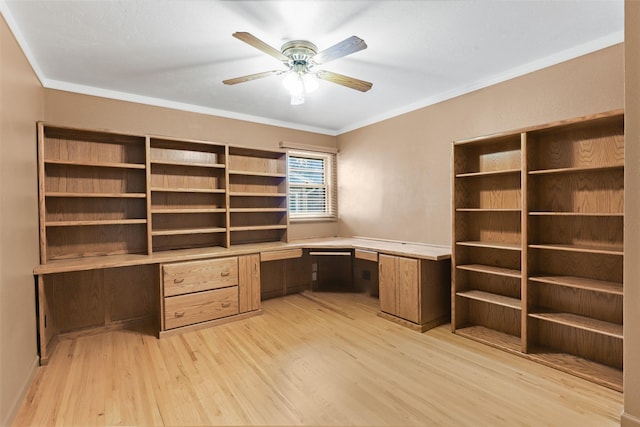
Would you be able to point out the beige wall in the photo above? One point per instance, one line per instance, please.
(631, 415)
(394, 176)
(21, 105)
(73, 109)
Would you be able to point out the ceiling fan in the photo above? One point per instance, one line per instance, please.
(301, 58)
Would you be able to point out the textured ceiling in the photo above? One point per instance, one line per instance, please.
(176, 53)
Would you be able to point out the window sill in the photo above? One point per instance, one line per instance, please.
(313, 219)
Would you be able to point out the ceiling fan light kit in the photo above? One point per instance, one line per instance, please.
(301, 57)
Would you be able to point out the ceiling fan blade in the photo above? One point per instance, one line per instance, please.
(347, 81)
(252, 77)
(344, 48)
(260, 45)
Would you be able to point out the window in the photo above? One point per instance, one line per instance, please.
(312, 185)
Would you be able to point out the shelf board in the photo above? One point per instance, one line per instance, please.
(492, 245)
(603, 214)
(95, 222)
(496, 299)
(489, 269)
(188, 190)
(257, 173)
(177, 232)
(488, 173)
(580, 322)
(491, 337)
(188, 210)
(97, 195)
(488, 210)
(583, 368)
(239, 210)
(258, 227)
(581, 283)
(580, 248)
(575, 170)
(189, 164)
(116, 165)
(256, 194)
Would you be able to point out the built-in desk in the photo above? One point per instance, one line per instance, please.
(186, 289)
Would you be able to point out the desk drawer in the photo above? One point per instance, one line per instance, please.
(186, 277)
(366, 255)
(281, 254)
(185, 310)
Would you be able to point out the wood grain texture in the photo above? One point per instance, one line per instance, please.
(388, 283)
(213, 250)
(598, 143)
(323, 361)
(183, 310)
(587, 265)
(248, 283)
(97, 240)
(584, 344)
(257, 184)
(246, 159)
(489, 192)
(195, 276)
(176, 176)
(498, 154)
(599, 232)
(489, 227)
(164, 200)
(578, 192)
(97, 298)
(281, 254)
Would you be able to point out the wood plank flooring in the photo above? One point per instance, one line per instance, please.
(311, 359)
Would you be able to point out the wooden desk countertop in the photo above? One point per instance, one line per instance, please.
(413, 250)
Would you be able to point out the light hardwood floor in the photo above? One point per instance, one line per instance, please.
(311, 359)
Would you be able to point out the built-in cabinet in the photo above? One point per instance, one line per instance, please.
(92, 194)
(257, 196)
(198, 293)
(411, 291)
(399, 287)
(109, 198)
(105, 193)
(187, 194)
(538, 254)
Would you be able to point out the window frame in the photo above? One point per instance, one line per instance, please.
(330, 186)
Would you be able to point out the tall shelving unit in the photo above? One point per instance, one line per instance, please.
(257, 195)
(576, 217)
(488, 234)
(538, 244)
(103, 193)
(92, 193)
(187, 194)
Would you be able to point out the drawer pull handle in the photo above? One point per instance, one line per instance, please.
(179, 280)
(224, 273)
(226, 304)
(179, 314)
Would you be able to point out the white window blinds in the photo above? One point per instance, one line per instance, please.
(311, 185)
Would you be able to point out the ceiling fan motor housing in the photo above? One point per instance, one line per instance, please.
(300, 54)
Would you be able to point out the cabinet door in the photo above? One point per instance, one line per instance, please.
(249, 282)
(407, 289)
(387, 282)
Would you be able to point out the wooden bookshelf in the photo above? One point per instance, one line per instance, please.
(569, 198)
(487, 236)
(92, 188)
(257, 196)
(188, 194)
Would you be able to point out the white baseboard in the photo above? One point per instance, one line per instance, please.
(19, 397)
